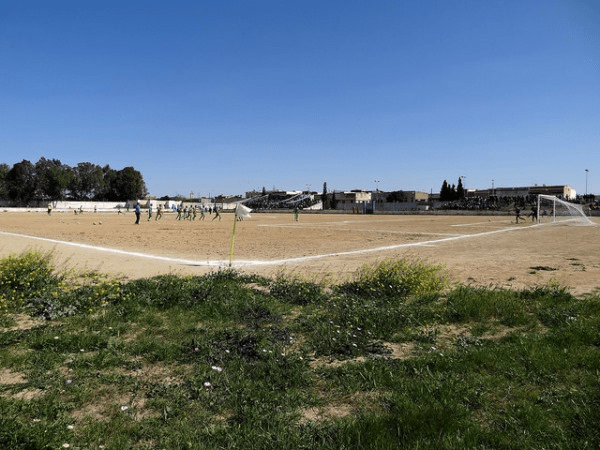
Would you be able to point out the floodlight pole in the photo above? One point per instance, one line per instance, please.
(464, 190)
(586, 175)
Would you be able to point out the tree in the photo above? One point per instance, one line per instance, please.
(325, 197)
(4, 169)
(130, 184)
(333, 202)
(109, 191)
(445, 193)
(88, 181)
(396, 196)
(460, 191)
(52, 179)
(20, 182)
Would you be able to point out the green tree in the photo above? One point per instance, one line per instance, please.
(396, 196)
(460, 191)
(109, 191)
(325, 197)
(52, 179)
(445, 192)
(130, 184)
(333, 201)
(4, 169)
(87, 182)
(20, 182)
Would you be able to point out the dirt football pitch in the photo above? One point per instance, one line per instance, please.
(478, 250)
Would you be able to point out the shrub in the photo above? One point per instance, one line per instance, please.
(25, 276)
(65, 302)
(398, 278)
(296, 292)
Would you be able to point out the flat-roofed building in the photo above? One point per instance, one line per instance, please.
(354, 196)
(561, 191)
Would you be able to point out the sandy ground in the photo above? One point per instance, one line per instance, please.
(478, 250)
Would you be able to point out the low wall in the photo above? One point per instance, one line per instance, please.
(67, 206)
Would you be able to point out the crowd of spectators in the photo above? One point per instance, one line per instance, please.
(268, 202)
(497, 203)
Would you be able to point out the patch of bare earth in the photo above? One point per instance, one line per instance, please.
(400, 351)
(329, 412)
(24, 322)
(107, 405)
(156, 373)
(28, 394)
(7, 377)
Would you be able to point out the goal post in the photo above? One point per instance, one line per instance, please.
(551, 209)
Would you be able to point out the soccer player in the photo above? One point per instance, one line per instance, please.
(138, 212)
(533, 214)
(517, 214)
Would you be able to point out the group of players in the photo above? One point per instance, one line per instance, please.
(183, 212)
(533, 214)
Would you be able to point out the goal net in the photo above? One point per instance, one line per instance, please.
(551, 209)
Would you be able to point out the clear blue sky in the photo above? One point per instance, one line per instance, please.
(229, 96)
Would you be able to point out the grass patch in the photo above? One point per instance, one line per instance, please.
(395, 357)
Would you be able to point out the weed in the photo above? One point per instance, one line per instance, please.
(25, 276)
(397, 278)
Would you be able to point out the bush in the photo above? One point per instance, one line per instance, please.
(295, 291)
(398, 278)
(25, 276)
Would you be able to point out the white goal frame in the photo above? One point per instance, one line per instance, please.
(569, 213)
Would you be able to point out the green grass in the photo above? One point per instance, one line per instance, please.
(395, 358)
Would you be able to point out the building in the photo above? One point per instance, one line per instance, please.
(352, 197)
(561, 191)
(564, 192)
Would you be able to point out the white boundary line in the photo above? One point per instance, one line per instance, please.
(244, 263)
(368, 230)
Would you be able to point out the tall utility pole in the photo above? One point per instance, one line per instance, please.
(586, 174)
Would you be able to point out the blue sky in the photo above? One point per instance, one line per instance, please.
(225, 96)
